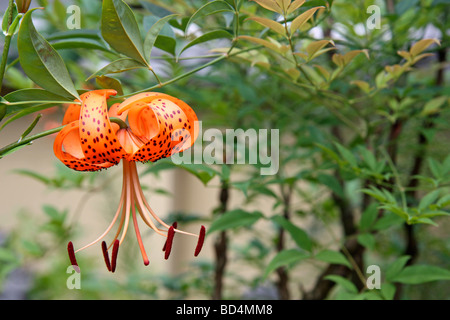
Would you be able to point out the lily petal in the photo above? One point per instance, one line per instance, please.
(98, 139)
(166, 124)
(72, 157)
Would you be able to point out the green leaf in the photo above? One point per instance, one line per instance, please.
(428, 199)
(433, 106)
(422, 45)
(117, 66)
(388, 291)
(79, 43)
(212, 7)
(368, 217)
(217, 34)
(26, 111)
(300, 237)
(120, 29)
(303, 18)
(284, 258)
(367, 240)
(153, 34)
(344, 283)
(395, 267)
(234, 219)
(5, 20)
(334, 257)
(273, 25)
(420, 274)
(32, 94)
(332, 183)
(109, 83)
(346, 154)
(41, 62)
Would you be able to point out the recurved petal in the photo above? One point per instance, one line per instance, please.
(72, 113)
(166, 124)
(67, 148)
(98, 138)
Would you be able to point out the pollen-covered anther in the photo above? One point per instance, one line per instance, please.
(73, 259)
(201, 239)
(115, 251)
(106, 255)
(168, 246)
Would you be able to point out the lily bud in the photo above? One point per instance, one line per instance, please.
(23, 5)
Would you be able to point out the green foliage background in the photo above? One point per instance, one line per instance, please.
(363, 121)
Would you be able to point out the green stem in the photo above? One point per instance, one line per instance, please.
(28, 140)
(15, 103)
(7, 44)
(184, 75)
(122, 124)
(4, 59)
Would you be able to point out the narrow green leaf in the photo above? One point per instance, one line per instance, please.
(117, 66)
(265, 43)
(295, 5)
(303, 18)
(428, 199)
(209, 8)
(234, 219)
(422, 45)
(26, 111)
(153, 34)
(417, 274)
(332, 183)
(346, 154)
(334, 257)
(273, 25)
(344, 283)
(285, 258)
(368, 217)
(367, 240)
(395, 267)
(270, 5)
(120, 29)
(32, 94)
(79, 43)
(388, 291)
(6, 15)
(300, 237)
(41, 62)
(109, 83)
(217, 34)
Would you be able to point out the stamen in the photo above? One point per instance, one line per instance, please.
(174, 225)
(73, 259)
(169, 240)
(114, 255)
(106, 255)
(201, 239)
(139, 238)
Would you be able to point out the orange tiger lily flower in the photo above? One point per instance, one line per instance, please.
(158, 126)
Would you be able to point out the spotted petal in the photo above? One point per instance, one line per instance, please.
(98, 139)
(165, 124)
(72, 155)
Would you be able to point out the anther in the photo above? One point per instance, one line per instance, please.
(169, 240)
(201, 239)
(106, 255)
(115, 251)
(73, 259)
(174, 225)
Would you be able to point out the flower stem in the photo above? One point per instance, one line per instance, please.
(21, 142)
